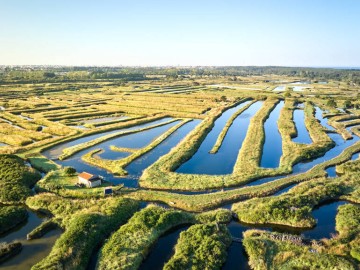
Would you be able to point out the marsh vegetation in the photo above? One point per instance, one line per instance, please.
(175, 150)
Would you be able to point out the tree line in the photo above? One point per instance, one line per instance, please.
(53, 74)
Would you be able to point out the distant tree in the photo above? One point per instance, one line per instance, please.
(69, 171)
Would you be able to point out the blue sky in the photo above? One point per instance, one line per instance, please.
(166, 32)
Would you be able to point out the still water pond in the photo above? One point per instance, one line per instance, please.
(33, 251)
(202, 162)
(302, 132)
(272, 149)
(136, 140)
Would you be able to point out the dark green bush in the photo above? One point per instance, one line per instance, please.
(201, 247)
(84, 233)
(16, 179)
(9, 250)
(11, 216)
(69, 171)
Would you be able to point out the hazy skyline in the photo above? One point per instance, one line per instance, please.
(269, 32)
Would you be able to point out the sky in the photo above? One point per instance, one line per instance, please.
(316, 33)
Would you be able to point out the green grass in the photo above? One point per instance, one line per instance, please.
(275, 251)
(294, 207)
(127, 247)
(84, 231)
(202, 246)
(42, 164)
(60, 183)
(347, 242)
(43, 228)
(349, 167)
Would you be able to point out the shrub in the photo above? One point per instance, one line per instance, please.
(16, 179)
(9, 250)
(84, 231)
(69, 171)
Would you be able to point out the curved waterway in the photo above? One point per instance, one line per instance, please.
(341, 145)
(202, 162)
(355, 156)
(132, 141)
(323, 121)
(272, 149)
(237, 258)
(325, 216)
(162, 250)
(34, 250)
(301, 167)
(302, 132)
(56, 151)
(331, 171)
(136, 168)
(136, 140)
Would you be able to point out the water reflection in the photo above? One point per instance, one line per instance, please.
(302, 132)
(272, 149)
(202, 162)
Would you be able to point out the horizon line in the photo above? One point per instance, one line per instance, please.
(177, 66)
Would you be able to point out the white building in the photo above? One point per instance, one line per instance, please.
(89, 180)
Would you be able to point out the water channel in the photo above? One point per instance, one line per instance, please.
(33, 250)
(163, 249)
(302, 132)
(202, 162)
(272, 149)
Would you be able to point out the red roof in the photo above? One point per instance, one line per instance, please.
(87, 176)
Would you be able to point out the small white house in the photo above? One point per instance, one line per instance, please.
(89, 180)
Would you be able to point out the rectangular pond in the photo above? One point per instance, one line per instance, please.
(302, 132)
(272, 148)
